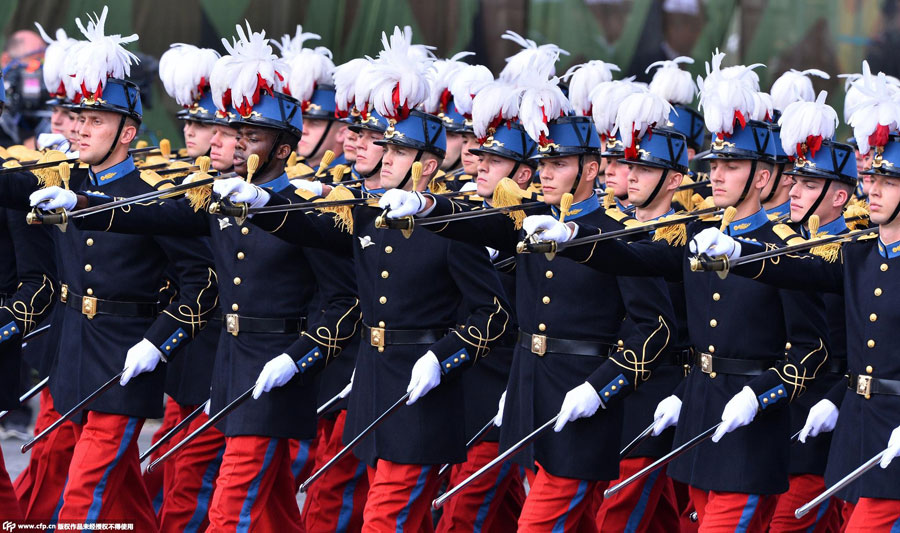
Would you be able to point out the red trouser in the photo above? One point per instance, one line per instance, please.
(400, 497)
(874, 515)
(826, 518)
(255, 488)
(9, 505)
(303, 459)
(646, 505)
(685, 507)
(489, 503)
(336, 500)
(559, 504)
(40, 486)
(155, 481)
(732, 511)
(105, 475)
(194, 471)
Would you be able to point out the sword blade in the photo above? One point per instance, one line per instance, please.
(172, 432)
(846, 480)
(637, 440)
(29, 394)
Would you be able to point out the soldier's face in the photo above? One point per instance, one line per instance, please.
(469, 160)
(97, 132)
(617, 177)
(642, 181)
(348, 140)
(728, 178)
(221, 147)
(313, 130)
(786, 181)
(396, 163)
(196, 138)
(454, 150)
(557, 177)
(492, 169)
(61, 121)
(252, 140)
(884, 194)
(368, 154)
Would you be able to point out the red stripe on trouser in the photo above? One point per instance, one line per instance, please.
(559, 502)
(727, 511)
(155, 481)
(40, 486)
(189, 466)
(308, 467)
(400, 497)
(637, 507)
(105, 468)
(479, 507)
(874, 515)
(339, 496)
(804, 488)
(269, 502)
(9, 505)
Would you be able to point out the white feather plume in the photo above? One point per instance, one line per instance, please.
(398, 68)
(495, 102)
(582, 80)
(251, 70)
(220, 82)
(876, 113)
(54, 68)
(466, 84)
(794, 86)
(309, 67)
(345, 78)
(605, 100)
(102, 57)
(542, 101)
(807, 122)
(440, 75)
(727, 94)
(763, 108)
(185, 70)
(670, 82)
(639, 112)
(520, 62)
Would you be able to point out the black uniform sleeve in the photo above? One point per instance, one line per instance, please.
(794, 270)
(15, 188)
(618, 257)
(497, 231)
(157, 217)
(306, 228)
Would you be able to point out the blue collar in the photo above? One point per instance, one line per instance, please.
(670, 212)
(588, 205)
(888, 252)
(354, 172)
(748, 224)
(835, 227)
(339, 160)
(627, 209)
(278, 184)
(379, 190)
(112, 173)
(780, 210)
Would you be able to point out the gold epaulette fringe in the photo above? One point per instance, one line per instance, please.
(675, 235)
(199, 197)
(49, 177)
(343, 218)
(507, 193)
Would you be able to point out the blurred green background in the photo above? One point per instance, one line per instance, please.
(832, 35)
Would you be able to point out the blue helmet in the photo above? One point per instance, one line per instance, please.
(754, 141)
(372, 122)
(781, 156)
(454, 121)
(509, 141)
(570, 135)
(278, 111)
(119, 96)
(887, 159)
(660, 148)
(613, 147)
(202, 111)
(689, 123)
(833, 161)
(419, 131)
(321, 105)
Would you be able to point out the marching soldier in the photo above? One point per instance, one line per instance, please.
(463, 87)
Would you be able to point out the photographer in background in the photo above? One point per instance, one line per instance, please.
(25, 115)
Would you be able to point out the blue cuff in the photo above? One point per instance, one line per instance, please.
(771, 396)
(172, 342)
(613, 387)
(459, 358)
(307, 361)
(8, 331)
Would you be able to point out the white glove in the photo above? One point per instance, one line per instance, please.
(402, 203)
(739, 411)
(580, 402)
(426, 375)
(498, 418)
(893, 448)
(492, 252)
(713, 242)
(821, 419)
(53, 198)
(53, 141)
(142, 357)
(346, 391)
(276, 373)
(206, 407)
(240, 192)
(469, 186)
(314, 187)
(548, 228)
(666, 414)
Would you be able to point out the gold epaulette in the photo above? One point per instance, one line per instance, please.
(868, 237)
(49, 177)
(685, 197)
(675, 235)
(707, 203)
(156, 181)
(438, 184)
(507, 193)
(152, 160)
(17, 151)
(787, 234)
(306, 194)
(338, 172)
(300, 169)
(343, 214)
(182, 152)
(616, 214)
(856, 215)
(199, 197)
(4, 154)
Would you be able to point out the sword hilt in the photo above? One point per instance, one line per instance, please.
(36, 216)
(228, 209)
(705, 263)
(382, 221)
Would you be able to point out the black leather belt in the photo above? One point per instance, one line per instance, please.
(680, 358)
(836, 366)
(381, 337)
(91, 306)
(868, 385)
(713, 364)
(236, 324)
(542, 344)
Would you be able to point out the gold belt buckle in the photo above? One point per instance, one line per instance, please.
(706, 363)
(63, 293)
(232, 324)
(539, 344)
(376, 338)
(864, 386)
(89, 306)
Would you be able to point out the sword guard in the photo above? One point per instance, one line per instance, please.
(705, 263)
(405, 224)
(36, 216)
